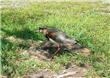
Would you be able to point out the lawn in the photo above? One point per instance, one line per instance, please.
(89, 23)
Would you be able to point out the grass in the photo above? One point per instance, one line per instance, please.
(80, 20)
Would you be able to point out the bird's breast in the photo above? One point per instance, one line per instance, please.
(61, 37)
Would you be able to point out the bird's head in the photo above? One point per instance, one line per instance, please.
(42, 30)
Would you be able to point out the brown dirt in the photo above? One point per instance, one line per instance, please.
(70, 71)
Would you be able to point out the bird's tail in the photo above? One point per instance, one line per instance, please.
(72, 46)
(72, 43)
(81, 49)
(77, 46)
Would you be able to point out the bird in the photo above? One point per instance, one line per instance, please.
(59, 37)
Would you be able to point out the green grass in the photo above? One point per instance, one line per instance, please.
(79, 20)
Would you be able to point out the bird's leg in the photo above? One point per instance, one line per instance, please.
(58, 49)
(46, 45)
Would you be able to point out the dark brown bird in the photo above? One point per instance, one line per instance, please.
(59, 37)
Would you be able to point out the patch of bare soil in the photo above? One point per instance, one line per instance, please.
(72, 72)
(69, 71)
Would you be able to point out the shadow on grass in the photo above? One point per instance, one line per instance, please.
(7, 45)
(8, 57)
(25, 34)
(52, 48)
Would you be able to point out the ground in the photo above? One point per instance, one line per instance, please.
(88, 22)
